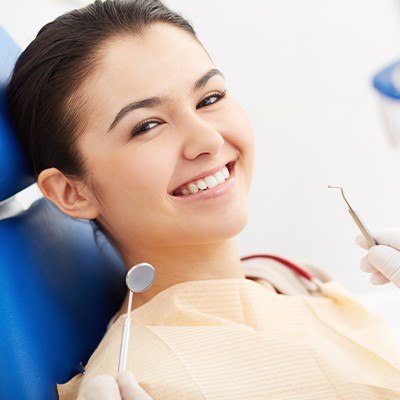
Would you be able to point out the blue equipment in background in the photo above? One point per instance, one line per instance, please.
(387, 84)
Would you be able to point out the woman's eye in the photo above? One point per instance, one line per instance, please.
(207, 101)
(150, 124)
(143, 127)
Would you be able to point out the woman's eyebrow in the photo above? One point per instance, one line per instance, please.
(154, 101)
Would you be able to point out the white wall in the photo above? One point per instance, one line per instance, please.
(302, 70)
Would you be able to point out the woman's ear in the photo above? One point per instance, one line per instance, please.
(66, 194)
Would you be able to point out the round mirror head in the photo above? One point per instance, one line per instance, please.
(140, 277)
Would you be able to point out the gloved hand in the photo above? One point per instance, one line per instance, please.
(382, 260)
(105, 387)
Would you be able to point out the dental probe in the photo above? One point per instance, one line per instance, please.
(138, 279)
(364, 230)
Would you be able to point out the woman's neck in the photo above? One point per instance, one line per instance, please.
(173, 266)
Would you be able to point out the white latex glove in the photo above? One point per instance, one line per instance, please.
(382, 260)
(105, 387)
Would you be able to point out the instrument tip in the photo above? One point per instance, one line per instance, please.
(334, 187)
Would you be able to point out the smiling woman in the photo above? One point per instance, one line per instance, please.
(134, 115)
(126, 121)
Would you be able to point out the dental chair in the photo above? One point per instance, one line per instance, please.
(58, 288)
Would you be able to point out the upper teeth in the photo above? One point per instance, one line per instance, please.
(207, 182)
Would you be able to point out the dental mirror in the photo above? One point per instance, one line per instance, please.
(138, 279)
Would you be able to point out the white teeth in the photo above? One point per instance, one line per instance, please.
(201, 184)
(206, 183)
(193, 188)
(210, 181)
(219, 176)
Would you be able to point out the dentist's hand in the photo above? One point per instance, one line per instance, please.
(382, 260)
(105, 387)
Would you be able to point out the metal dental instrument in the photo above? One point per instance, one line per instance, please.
(366, 233)
(138, 279)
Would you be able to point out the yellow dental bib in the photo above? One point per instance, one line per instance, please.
(234, 339)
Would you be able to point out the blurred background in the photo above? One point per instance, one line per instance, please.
(302, 70)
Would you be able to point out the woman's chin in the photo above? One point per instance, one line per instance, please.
(227, 224)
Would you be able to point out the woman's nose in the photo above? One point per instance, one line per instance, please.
(200, 136)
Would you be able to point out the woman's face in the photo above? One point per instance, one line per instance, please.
(153, 149)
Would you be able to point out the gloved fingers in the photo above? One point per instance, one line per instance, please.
(365, 265)
(129, 388)
(386, 260)
(102, 387)
(385, 236)
(389, 237)
(377, 278)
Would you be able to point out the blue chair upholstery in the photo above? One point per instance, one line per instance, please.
(14, 175)
(58, 288)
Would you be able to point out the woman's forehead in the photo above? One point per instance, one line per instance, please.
(164, 54)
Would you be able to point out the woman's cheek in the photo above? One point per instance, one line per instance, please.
(241, 129)
(243, 140)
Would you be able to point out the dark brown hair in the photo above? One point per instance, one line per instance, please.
(46, 112)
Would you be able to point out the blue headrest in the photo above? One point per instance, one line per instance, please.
(58, 288)
(14, 172)
(58, 291)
